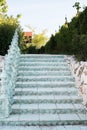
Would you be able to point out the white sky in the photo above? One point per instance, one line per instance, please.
(43, 14)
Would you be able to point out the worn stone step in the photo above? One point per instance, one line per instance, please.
(43, 111)
(44, 120)
(42, 60)
(25, 91)
(45, 68)
(47, 108)
(42, 64)
(47, 99)
(41, 56)
(36, 64)
(61, 89)
(57, 127)
(44, 73)
(45, 84)
(45, 78)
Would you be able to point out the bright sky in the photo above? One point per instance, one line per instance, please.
(43, 14)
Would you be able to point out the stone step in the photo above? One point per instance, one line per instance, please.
(46, 84)
(44, 68)
(41, 56)
(57, 127)
(45, 78)
(42, 64)
(19, 91)
(42, 60)
(47, 108)
(43, 111)
(44, 120)
(61, 89)
(44, 73)
(47, 99)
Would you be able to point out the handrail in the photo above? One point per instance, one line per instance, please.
(8, 77)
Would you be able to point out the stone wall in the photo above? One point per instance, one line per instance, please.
(79, 69)
(8, 77)
(1, 67)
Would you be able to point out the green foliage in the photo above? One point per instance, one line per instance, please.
(39, 39)
(3, 6)
(38, 42)
(41, 50)
(8, 25)
(77, 6)
(80, 46)
(51, 45)
(71, 38)
(32, 50)
(60, 43)
(7, 29)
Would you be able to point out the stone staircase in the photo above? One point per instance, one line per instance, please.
(45, 94)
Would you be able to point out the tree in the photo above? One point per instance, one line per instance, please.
(8, 25)
(51, 45)
(38, 42)
(3, 6)
(77, 6)
(7, 29)
(32, 50)
(40, 39)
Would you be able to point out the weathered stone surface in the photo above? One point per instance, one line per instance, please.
(80, 71)
(48, 100)
(4, 107)
(8, 76)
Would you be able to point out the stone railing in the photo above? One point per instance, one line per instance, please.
(8, 77)
(79, 69)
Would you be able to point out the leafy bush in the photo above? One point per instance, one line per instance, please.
(7, 29)
(71, 38)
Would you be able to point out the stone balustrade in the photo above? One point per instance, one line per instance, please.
(8, 77)
(79, 69)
